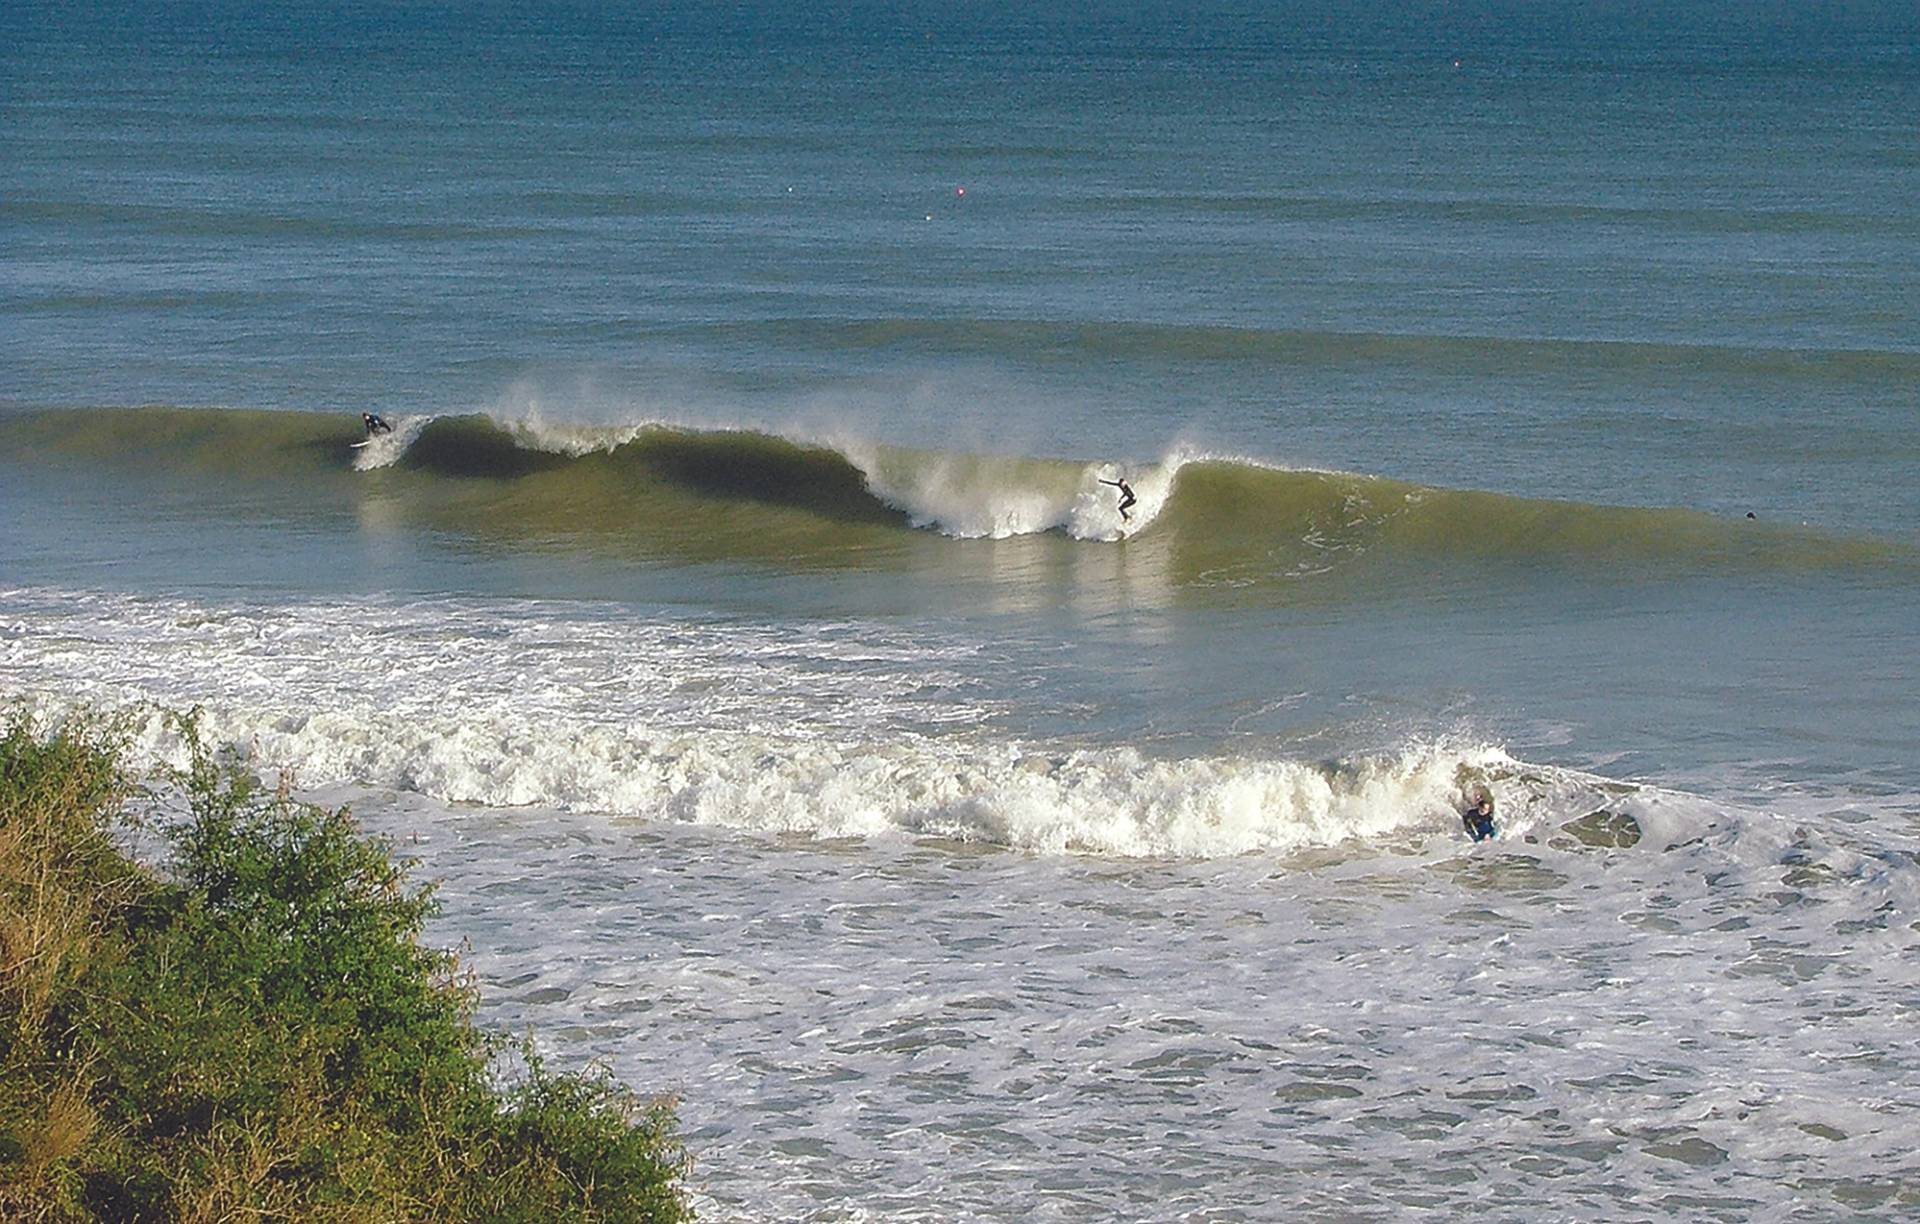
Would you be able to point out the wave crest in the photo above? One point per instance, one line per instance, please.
(747, 494)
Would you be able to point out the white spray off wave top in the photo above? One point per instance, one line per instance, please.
(385, 449)
(988, 497)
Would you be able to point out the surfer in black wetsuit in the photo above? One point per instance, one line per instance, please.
(1126, 497)
(375, 424)
(1479, 818)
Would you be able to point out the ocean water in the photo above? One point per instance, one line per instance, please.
(1519, 400)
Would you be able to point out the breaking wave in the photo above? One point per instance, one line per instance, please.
(847, 730)
(757, 495)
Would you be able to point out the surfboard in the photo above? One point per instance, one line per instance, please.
(358, 445)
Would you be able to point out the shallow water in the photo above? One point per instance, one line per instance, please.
(920, 1030)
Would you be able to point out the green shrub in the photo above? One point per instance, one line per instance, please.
(255, 1029)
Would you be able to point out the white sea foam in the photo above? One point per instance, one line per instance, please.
(912, 1034)
(899, 1029)
(386, 449)
(982, 496)
(576, 438)
(832, 730)
(1108, 802)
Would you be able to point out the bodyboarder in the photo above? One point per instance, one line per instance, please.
(1479, 818)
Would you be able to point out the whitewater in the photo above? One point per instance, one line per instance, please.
(840, 730)
(882, 947)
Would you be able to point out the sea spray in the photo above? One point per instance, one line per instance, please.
(388, 447)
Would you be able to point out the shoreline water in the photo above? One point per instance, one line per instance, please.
(931, 1030)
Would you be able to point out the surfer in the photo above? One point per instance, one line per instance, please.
(1479, 818)
(1126, 497)
(375, 424)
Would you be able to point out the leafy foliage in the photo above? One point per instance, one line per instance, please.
(257, 1030)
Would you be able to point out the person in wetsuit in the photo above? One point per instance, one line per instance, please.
(1479, 818)
(375, 424)
(1126, 497)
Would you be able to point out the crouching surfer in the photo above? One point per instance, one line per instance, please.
(1478, 818)
(375, 423)
(1126, 497)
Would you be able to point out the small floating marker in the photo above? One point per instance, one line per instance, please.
(960, 191)
(929, 216)
(1456, 65)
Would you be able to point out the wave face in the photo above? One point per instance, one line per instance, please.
(737, 494)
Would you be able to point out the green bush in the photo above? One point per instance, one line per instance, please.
(256, 1030)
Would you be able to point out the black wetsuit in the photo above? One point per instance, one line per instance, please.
(1126, 497)
(374, 424)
